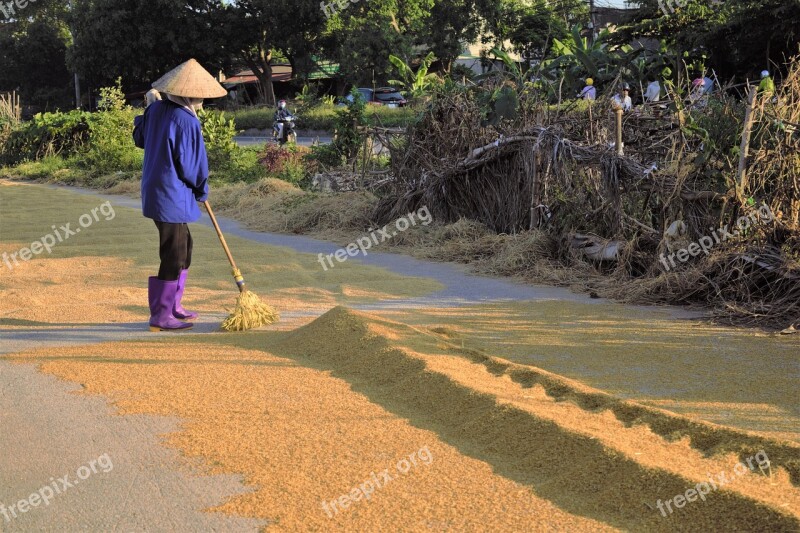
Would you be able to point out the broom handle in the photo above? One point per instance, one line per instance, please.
(237, 274)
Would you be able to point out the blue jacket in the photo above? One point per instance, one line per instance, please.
(175, 173)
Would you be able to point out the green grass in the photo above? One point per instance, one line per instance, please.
(321, 117)
(243, 166)
(45, 168)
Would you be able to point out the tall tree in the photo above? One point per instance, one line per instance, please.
(139, 40)
(451, 25)
(739, 37)
(534, 28)
(255, 31)
(34, 42)
(361, 36)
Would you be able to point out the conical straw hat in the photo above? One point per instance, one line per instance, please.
(190, 80)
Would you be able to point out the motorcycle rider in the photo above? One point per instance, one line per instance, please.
(282, 114)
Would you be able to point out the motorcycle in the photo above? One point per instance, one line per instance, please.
(283, 130)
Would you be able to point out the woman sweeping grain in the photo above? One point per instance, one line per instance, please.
(174, 179)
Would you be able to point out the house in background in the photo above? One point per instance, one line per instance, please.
(244, 84)
(476, 57)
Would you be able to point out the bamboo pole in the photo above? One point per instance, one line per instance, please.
(619, 113)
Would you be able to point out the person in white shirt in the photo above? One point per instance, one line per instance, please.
(653, 93)
(622, 100)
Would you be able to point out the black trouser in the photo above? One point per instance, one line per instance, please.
(175, 249)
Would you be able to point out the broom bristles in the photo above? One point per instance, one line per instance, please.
(250, 312)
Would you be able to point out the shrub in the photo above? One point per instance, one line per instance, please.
(111, 147)
(112, 98)
(47, 134)
(243, 165)
(349, 122)
(274, 157)
(325, 155)
(100, 142)
(293, 171)
(218, 134)
(284, 162)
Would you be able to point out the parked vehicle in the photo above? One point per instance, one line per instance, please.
(388, 96)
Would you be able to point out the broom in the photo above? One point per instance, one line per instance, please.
(250, 311)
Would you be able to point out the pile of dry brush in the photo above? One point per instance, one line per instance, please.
(681, 178)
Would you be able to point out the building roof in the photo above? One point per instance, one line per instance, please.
(280, 73)
(283, 73)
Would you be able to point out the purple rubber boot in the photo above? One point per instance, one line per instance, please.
(179, 311)
(162, 300)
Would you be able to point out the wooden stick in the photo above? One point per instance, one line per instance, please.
(535, 190)
(237, 274)
(744, 149)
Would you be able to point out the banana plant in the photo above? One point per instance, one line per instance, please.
(577, 58)
(502, 102)
(415, 84)
(512, 68)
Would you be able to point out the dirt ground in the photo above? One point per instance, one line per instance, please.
(346, 420)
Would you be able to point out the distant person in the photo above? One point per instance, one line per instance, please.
(622, 100)
(697, 95)
(174, 179)
(708, 85)
(589, 92)
(282, 114)
(767, 85)
(653, 93)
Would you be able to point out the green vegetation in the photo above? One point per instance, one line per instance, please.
(322, 117)
(97, 149)
(415, 84)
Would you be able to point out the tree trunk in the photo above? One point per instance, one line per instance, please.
(262, 69)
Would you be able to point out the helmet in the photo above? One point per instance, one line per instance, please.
(589, 81)
(698, 82)
(765, 74)
(282, 104)
(626, 86)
